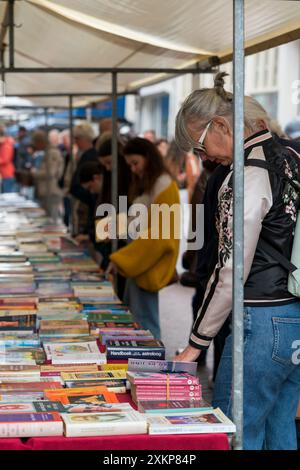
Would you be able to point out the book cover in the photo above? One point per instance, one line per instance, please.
(110, 367)
(18, 322)
(55, 369)
(30, 424)
(9, 387)
(94, 408)
(121, 337)
(149, 365)
(166, 407)
(115, 386)
(104, 424)
(32, 407)
(157, 378)
(123, 344)
(96, 395)
(96, 319)
(191, 423)
(120, 354)
(107, 375)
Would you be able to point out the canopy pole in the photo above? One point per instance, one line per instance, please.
(72, 162)
(46, 119)
(238, 221)
(11, 25)
(114, 174)
(71, 131)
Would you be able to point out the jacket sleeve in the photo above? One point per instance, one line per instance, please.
(217, 301)
(139, 256)
(142, 254)
(52, 166)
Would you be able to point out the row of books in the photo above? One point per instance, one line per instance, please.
(69, 349)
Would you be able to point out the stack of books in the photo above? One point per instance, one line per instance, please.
(163, 386)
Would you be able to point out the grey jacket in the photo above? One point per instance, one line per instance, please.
(47, 176)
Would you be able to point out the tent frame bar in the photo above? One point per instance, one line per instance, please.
(51, 95)
(195, 70)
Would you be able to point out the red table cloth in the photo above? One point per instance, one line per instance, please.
(124, 442)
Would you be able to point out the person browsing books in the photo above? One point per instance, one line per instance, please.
(148, 262)
(271, 313)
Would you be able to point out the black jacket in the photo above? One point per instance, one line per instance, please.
(270, 212)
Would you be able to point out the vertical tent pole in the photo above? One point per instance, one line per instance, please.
(238, 221)
(71, 131)
(114, 175)
(72, 162)
(11, 33)
(46, 119)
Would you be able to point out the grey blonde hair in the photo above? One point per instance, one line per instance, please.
(84, 131)
(205, 104)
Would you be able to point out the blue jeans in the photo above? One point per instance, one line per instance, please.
(8, 185)
(271, 377)
(144, 306)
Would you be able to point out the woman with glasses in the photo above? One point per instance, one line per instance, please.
(271, 313)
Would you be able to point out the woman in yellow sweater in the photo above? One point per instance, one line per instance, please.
(149, 261)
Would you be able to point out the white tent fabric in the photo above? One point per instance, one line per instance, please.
(132, 33)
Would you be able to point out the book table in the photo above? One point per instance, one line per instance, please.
(124, 442)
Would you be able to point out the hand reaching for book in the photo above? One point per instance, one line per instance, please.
(112, 269)
(189, 354)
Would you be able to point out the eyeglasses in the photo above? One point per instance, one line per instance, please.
(201, 147)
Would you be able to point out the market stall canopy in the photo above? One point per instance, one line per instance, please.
(131, 33)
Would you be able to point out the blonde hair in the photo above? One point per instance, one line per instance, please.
(84, 131)
(205, 104)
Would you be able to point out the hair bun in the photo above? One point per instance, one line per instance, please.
(219, 80)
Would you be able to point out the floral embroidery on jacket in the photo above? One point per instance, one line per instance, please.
(224, 224)
(290, 195)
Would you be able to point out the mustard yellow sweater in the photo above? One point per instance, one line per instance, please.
(151, 262)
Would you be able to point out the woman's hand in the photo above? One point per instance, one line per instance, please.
(112, 269)
(82, 238)
(189, 354)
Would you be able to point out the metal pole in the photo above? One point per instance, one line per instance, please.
(53, 95)
(72, 161)
(238, 222)
(11, 33)
(46, 119)
(138, 70)
(114, 174)
(71, 130)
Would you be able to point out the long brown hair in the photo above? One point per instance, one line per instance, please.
(154, 168)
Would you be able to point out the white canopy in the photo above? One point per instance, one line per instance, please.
(132, 33)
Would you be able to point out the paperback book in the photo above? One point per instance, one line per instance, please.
(191, 423)
(104, 424)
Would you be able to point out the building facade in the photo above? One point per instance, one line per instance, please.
(271, 76)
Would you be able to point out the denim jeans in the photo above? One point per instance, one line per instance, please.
(8, 185)
(271, 377)
(144, 306)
